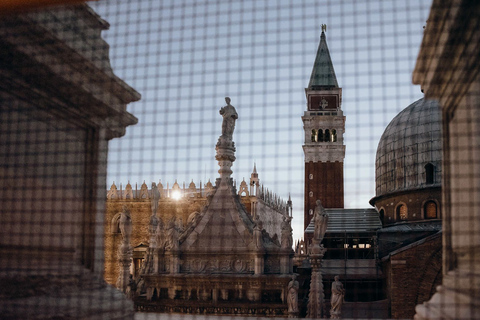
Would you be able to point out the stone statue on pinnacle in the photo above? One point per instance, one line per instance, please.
(229, 116)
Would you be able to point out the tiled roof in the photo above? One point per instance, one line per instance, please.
(428, 225)
(349, 220)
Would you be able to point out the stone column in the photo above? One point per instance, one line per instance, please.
(316, 293)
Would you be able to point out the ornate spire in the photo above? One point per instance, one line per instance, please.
(323, 75)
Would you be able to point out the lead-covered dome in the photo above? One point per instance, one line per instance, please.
(409, 154)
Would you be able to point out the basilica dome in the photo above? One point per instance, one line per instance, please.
(409, 154)
(408, 165)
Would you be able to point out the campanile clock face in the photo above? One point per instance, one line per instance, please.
(323, 102)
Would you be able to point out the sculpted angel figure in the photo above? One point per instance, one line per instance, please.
(229, 116)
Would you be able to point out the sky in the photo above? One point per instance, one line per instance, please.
(185, 57)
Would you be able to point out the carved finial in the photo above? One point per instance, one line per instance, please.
(324, 28)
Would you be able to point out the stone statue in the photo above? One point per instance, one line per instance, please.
(229, 116)
(125, 249)
(292, 297)
(172, 235)
(287, 237)
(321, 222)
(155, 198)
(125, 224)
(338, 294)
(257, 234)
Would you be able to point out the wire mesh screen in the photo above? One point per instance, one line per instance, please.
(255, 158)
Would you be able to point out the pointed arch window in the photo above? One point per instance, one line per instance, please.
(320, 135)
(430, 210)
(429, 173)
(327, 135)
(333, 136)
(314, 135)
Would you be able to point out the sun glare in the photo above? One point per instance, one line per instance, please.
(176, 195)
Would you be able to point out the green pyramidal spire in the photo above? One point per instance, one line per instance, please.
(323, 74)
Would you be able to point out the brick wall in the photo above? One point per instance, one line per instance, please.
(412, 274)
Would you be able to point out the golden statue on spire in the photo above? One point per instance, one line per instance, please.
(324, 28)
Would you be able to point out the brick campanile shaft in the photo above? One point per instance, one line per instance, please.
(324, 126)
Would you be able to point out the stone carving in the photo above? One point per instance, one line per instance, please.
(125, 224)
(229, 116)
(287, 237)
(198, 265)
(225, 265)
(113, 192)
(193, 218)
(257, 234)
(143, 191)
(239, 265)
(321, 222)
(128, 191)
(292, 297)
(172, 242)
(125, 249)
(338, 294)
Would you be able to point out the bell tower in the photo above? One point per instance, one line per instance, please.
(324, 125)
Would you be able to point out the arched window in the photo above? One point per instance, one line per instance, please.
(402, 212)
(326, 135)
(334, 136)
(430, 210)
(429, 173)
(382, 216)
(314, 135)
(320, 135)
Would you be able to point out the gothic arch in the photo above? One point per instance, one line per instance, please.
(401, 212)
